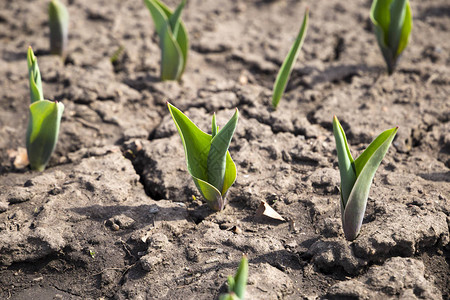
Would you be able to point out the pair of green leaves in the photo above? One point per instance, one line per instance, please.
(286, 68)
(237, 284)
(393, 25)
(173, 38)
(58, 20)
(357, 176)
(44, 121)
(207, 157)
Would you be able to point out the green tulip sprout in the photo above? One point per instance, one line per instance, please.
(207, 157)
(393, 25)
(238, 283)
(357, 176)
(286, 68)
(173, 38)
(45, 118)
(59, 27)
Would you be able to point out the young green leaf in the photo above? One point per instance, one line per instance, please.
(171, 56)
(240, 280)
(44, 120)
(217, 154)
(393, 25)
(59, 27)
(35, 80)
(196, 143)
(237, 284)
(158, 15)
(361, 161)
(345, 160)
(174, 19)
(286, 68)
(230, 174)
(181, 37)
(397, 18)
(406, 30)
(357, 201)
(197, 147)
(173, 38)
(214, 127)
(357, 176)
(42, 132)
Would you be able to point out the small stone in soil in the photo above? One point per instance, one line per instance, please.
(3, 206)
(120, 221)
(153, 209)
(149, 261)
(158, 240)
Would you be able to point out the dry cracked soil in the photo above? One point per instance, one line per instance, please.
(116, 215)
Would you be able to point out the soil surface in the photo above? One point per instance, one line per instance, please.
(114, 217)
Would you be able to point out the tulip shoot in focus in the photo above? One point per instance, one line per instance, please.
(357, 176)
(173, 38)
(59, 27)
(207, 157)
(286, 68)
(237, 284)
(44, 119)
(393, 25)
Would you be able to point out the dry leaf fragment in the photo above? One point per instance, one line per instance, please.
(266, 210)
(19, 157)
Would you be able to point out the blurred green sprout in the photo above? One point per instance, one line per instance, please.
(173, 38)
(58, 19)
(44, 120)
(117, 54)
(393, 25)
(207, 157)
(238, 283)
(286, 68)
(357, 176)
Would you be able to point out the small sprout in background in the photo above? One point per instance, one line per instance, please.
(288, 64)
(58, 20)
(173, 38)
(118, 59)
(45, 118)
(92, 253)
(117, 54)
(207, 157)
(393, 25)
(357, 176)
(238, 283)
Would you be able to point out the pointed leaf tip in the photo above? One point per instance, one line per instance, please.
(284, 73)
(217, 161)
(345, 161)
